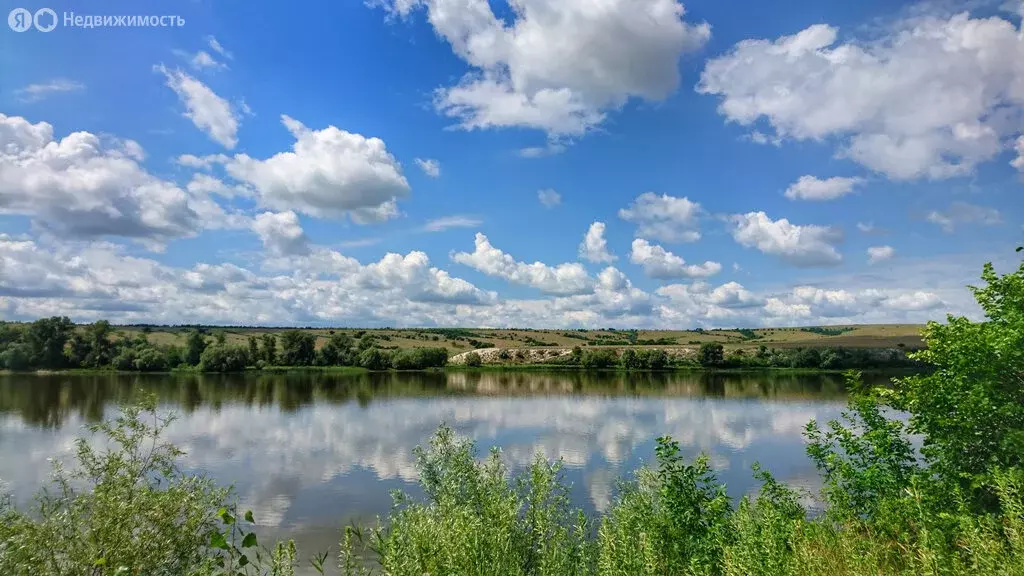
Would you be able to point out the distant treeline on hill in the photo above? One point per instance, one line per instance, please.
(57, 344)
(713, 356)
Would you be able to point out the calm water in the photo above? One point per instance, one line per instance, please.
(310, 453)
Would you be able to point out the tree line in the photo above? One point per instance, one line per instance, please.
(58, 344)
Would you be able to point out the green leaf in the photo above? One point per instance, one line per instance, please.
(99, 562)
(217, 540)
(248, 517)
(249, 541)
(243, 560)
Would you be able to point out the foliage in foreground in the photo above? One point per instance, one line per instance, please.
(954, 507)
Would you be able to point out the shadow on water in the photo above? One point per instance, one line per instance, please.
(47, 400)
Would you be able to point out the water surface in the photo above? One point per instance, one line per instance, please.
(309, 453)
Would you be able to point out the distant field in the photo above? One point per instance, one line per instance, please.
(465, 339)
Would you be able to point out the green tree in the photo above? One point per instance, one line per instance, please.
(711, 354)
(254, 349)
(337, 351)
(46, 339)
(970, 409)
(16, 357)
(218, 358)
(195, 344)
(269, 351)
(629, 360)
(298, 348)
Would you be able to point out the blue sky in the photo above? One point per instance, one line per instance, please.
(376, 164)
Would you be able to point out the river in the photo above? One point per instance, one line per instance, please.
(309, 453)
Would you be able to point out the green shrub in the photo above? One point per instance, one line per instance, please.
(474, 360)
(711, 354)
(223, 358)
(375, 359)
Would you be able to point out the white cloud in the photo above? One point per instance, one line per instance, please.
(963, 213)
(664, 217)
(201, 162)
(202, 60)
(552, 148)
(865, 227)
(811, 188)
(328, 173)
(932, 98)
(431, 168)
(1018, 162)
(206, 184)
(420, 282)
(446, 222)
(594, 247)
(80, 187)
(549, 198)
(568, 278)
(321, 286)
(216, 47)
(880, 254)
(799, 245)
(662, 264)
(208, 111)
(36, 92)
(557, 67)
(281, 233)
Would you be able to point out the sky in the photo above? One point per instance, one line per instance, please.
(532, 163)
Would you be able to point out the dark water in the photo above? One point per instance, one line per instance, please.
(309, 453)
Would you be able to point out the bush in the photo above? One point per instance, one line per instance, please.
(223, 358)
(418, 359)
(711, 354)
(474, 360)
(375, 359)
(601, 358)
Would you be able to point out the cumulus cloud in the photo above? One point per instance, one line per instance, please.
(324, 287)
(557, 67)
(960, 213)
(880, 254)
(811, 188)
(36, 92)
(281, 233)
(594, 247)
(662, 264)
(208, 111)
(799, 245)
(446, 222)
(931, 99)
(328, 173)
(80, 186)
(419, 281)
(664, 217)
(430, 167)
(568, 278)
(549, 198)
(1018, 162)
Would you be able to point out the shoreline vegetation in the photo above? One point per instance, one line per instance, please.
(58, 345)
(937, 491)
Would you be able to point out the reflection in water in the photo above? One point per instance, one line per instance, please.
(309, 452)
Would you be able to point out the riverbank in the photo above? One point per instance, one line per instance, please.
(346, 370)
